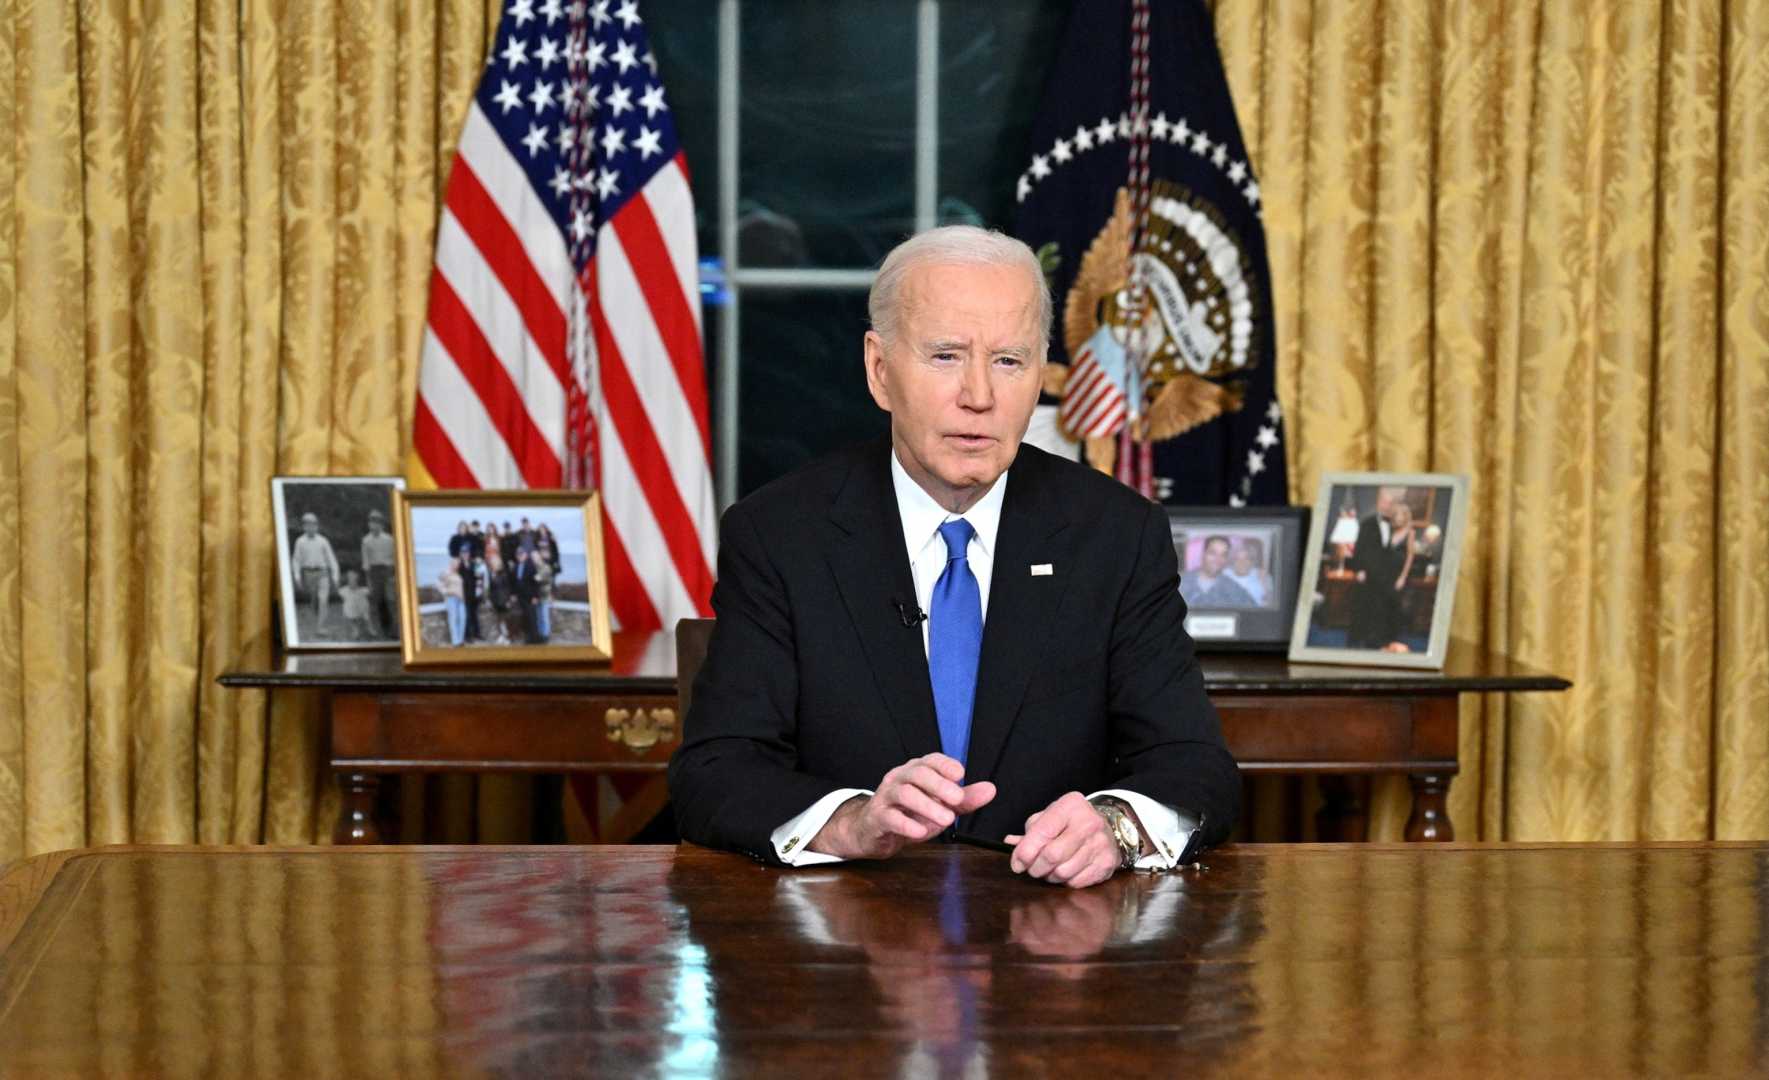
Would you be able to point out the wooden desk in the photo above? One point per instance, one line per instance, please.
(1351, 960)
(1276, 716)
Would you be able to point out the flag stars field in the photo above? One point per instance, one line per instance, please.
(1177, 132)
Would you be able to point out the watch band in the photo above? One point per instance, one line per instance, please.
(1124, 830)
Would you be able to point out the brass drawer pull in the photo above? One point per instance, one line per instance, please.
(640, 729)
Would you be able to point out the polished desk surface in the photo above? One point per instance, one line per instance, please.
(647, 662)
(1564, 961)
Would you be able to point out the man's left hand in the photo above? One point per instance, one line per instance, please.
(1066, 843)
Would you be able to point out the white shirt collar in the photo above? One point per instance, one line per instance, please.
(922, 516)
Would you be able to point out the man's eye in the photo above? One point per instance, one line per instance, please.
(945, 357)
(1010, 361)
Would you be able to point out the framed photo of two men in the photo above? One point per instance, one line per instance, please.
(1238, 569)
(336, 574)
(1380, 580)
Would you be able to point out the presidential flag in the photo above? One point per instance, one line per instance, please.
(563, 345)
(1139, 197)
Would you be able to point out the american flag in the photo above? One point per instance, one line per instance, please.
(1094, 400)
(563, 340)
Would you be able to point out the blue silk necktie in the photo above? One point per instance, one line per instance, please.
(954, 641)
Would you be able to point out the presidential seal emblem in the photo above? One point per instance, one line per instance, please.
(1177, 357)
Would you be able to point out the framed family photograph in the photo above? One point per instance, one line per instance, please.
(1238, 572)
(1380, 579)
(502, 576)
(336, 572)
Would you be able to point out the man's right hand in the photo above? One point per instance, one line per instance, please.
(915, 801)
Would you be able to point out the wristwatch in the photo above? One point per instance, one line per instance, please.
(1124, 831)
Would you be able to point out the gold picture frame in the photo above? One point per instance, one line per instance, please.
(545, 600)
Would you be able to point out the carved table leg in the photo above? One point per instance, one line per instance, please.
(356, 817)
(1431, 812)
(1344, 814)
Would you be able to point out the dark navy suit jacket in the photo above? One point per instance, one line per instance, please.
(812, 682)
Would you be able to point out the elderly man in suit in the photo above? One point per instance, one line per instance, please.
(951, 632)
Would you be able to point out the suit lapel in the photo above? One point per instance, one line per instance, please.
(871, 569)
(1022, 608)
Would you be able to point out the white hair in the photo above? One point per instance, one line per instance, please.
(964, 244)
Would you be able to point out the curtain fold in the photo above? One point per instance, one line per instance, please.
(1741, 596)
(216, 221)
(1529, 242)
(1522, 240)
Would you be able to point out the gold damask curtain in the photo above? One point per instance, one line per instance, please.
(1529, 241)
(216, 222)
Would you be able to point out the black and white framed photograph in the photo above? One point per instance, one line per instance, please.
(1238, 569)
(1380, 580)
(502, 576)
(336, 568)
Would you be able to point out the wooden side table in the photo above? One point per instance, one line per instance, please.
(1278, 717)
(1341, 721)
(386, 718)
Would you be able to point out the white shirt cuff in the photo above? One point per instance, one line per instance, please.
(792, 840)
(1165, 828)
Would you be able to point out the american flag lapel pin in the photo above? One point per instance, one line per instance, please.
(1041, 569)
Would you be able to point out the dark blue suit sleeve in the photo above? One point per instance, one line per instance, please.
(1166, 737)
(734, 779)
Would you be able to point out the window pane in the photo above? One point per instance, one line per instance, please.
(802, 385)
(994, 58)
(827, 131)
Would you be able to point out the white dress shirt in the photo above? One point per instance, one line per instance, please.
(921, 518)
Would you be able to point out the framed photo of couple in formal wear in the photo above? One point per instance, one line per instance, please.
(502, 576)
(1238, 570)
(1380, 581)
(336, 578)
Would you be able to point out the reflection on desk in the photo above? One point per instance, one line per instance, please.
(1311, 960)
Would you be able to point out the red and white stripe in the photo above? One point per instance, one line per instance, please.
(498, 369)
(1093, 405)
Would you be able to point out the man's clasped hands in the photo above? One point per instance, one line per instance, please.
(1066, 843)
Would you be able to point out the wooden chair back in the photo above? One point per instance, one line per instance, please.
(692, 638)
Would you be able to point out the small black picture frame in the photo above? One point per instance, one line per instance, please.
(1238, 572)
(337, 579)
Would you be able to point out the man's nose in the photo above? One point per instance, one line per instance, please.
(977, 392)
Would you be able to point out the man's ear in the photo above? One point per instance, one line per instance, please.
(874, 351)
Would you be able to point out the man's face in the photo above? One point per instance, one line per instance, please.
(1215, 556)
(1243, 561)
(960, 376)
(310, 527)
